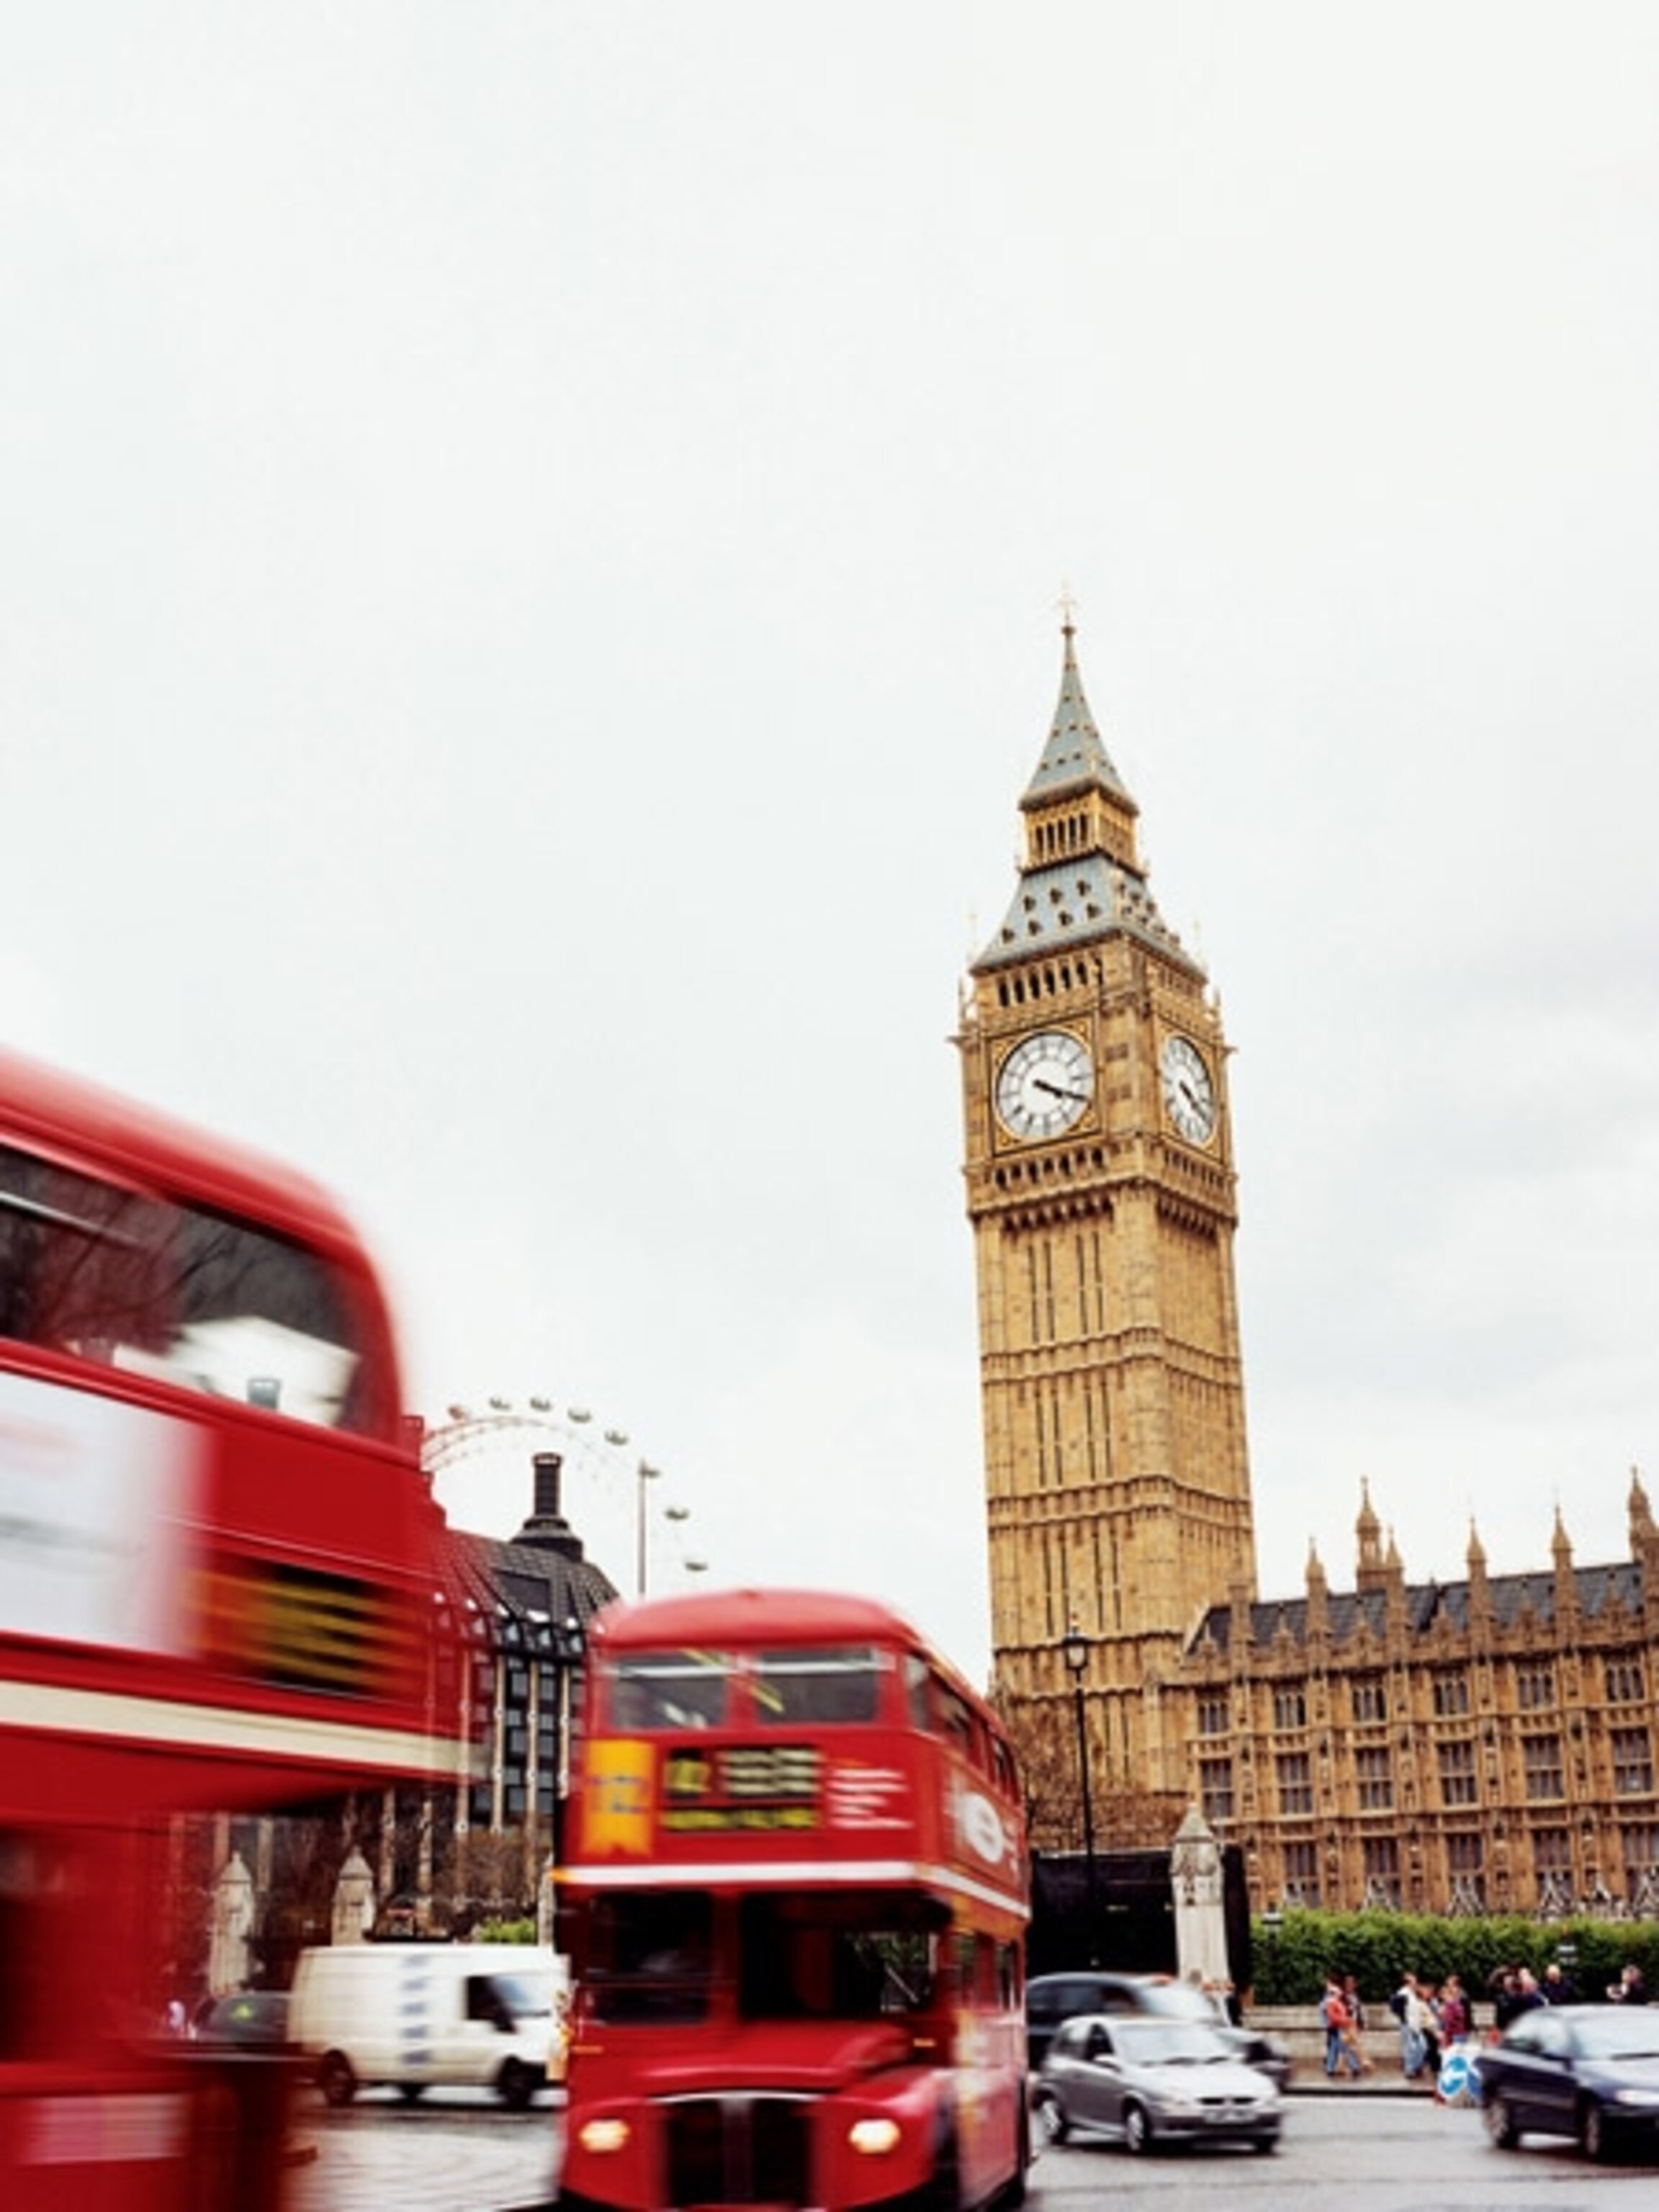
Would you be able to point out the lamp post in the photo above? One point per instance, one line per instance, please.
(1272, 1920)
(648, 1474)
(1074, 1649)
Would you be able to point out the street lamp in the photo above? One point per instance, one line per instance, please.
(1074, 1649)
(1272, 1920)
(647, 1473)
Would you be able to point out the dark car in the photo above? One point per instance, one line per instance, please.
(1147, 2081)
(1591, 2071)
(247, 2017)
(1052, 1998)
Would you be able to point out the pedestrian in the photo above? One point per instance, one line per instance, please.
(1455, 2017)
(1339, 2046)
(1528, 1996)
(1355, 2037)
(1557, 1985)
(1505, 1998)
(1630, 1988)
(1419, 2047)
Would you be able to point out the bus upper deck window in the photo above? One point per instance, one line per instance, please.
(183, 1297)
(830, 1683)
(655, 1690)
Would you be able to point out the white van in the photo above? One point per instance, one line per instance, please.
(426, 2016)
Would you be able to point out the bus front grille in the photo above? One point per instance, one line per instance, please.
(738, 2150)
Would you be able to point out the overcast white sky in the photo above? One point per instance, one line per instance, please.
(529, 544)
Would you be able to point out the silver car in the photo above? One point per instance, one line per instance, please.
(1148, 2081)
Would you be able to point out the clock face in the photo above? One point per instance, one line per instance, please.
(1045, 1085)
(1188, 1094)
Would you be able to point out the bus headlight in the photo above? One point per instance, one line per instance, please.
(601, 2135)
(874, 2137)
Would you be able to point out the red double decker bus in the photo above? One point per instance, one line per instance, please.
(795, 1904)
(218, 1577)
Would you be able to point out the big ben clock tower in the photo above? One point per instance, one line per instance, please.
(1102, 1194)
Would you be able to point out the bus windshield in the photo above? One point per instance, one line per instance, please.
(174, 1293)
(837, 1956)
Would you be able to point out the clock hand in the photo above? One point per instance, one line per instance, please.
(1056, 1090)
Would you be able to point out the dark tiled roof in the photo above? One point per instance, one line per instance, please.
(1600, 1589)
(528, 1592)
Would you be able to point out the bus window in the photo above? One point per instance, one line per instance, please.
(187, 1298)
(832, 1956)
(916, 1679)
(670, 1689)
(841, 1682)
(650, 1956)
(952, 1716)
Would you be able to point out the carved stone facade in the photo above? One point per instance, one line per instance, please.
(1485, 1744)
(1480, 1745)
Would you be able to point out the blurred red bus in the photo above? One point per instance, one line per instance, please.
(795, 1907)
(218, 1568)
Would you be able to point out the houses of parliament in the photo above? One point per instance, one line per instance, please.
(1482, 1745)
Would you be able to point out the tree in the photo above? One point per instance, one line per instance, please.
(1124, 1815)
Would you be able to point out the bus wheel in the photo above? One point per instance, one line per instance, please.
(945, 2193)
(1014, 2194)
(516, 2083)
(336, 2078)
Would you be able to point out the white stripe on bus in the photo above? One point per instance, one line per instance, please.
(748, 1874)
(168, 1723)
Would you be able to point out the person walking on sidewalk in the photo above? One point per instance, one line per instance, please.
(1419, 2040)
(1354, 2035)
(1341, 2040)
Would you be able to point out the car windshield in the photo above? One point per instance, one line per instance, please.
(1618, 2034)
(1168, 2042)
(1180, 2000)
(526, 1995)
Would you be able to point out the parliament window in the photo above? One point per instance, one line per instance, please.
(1302, 1874)
(1376, 1778)
(1215, 1783)
(1451, 1693)
(1465, 1860)
(1291, 1708)
(1534, 1687)
(1625, 1684)
(1295, 1783)
(1551, 1851)
(1212, 1716)
(1639, 1848)
(1457, 1783)
(1540, 1762)
(1633, 1762)
(1367, 1698)
(1382, 1854)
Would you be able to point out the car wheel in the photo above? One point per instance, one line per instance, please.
(1500, 2123)
(516, 2085)
(336, 2078)
(1137, 2129)
(1265, 2144)
(1592, 2130)
(1052, 2120)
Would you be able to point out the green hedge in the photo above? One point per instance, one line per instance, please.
(506, 1931)
(1293, 1961)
